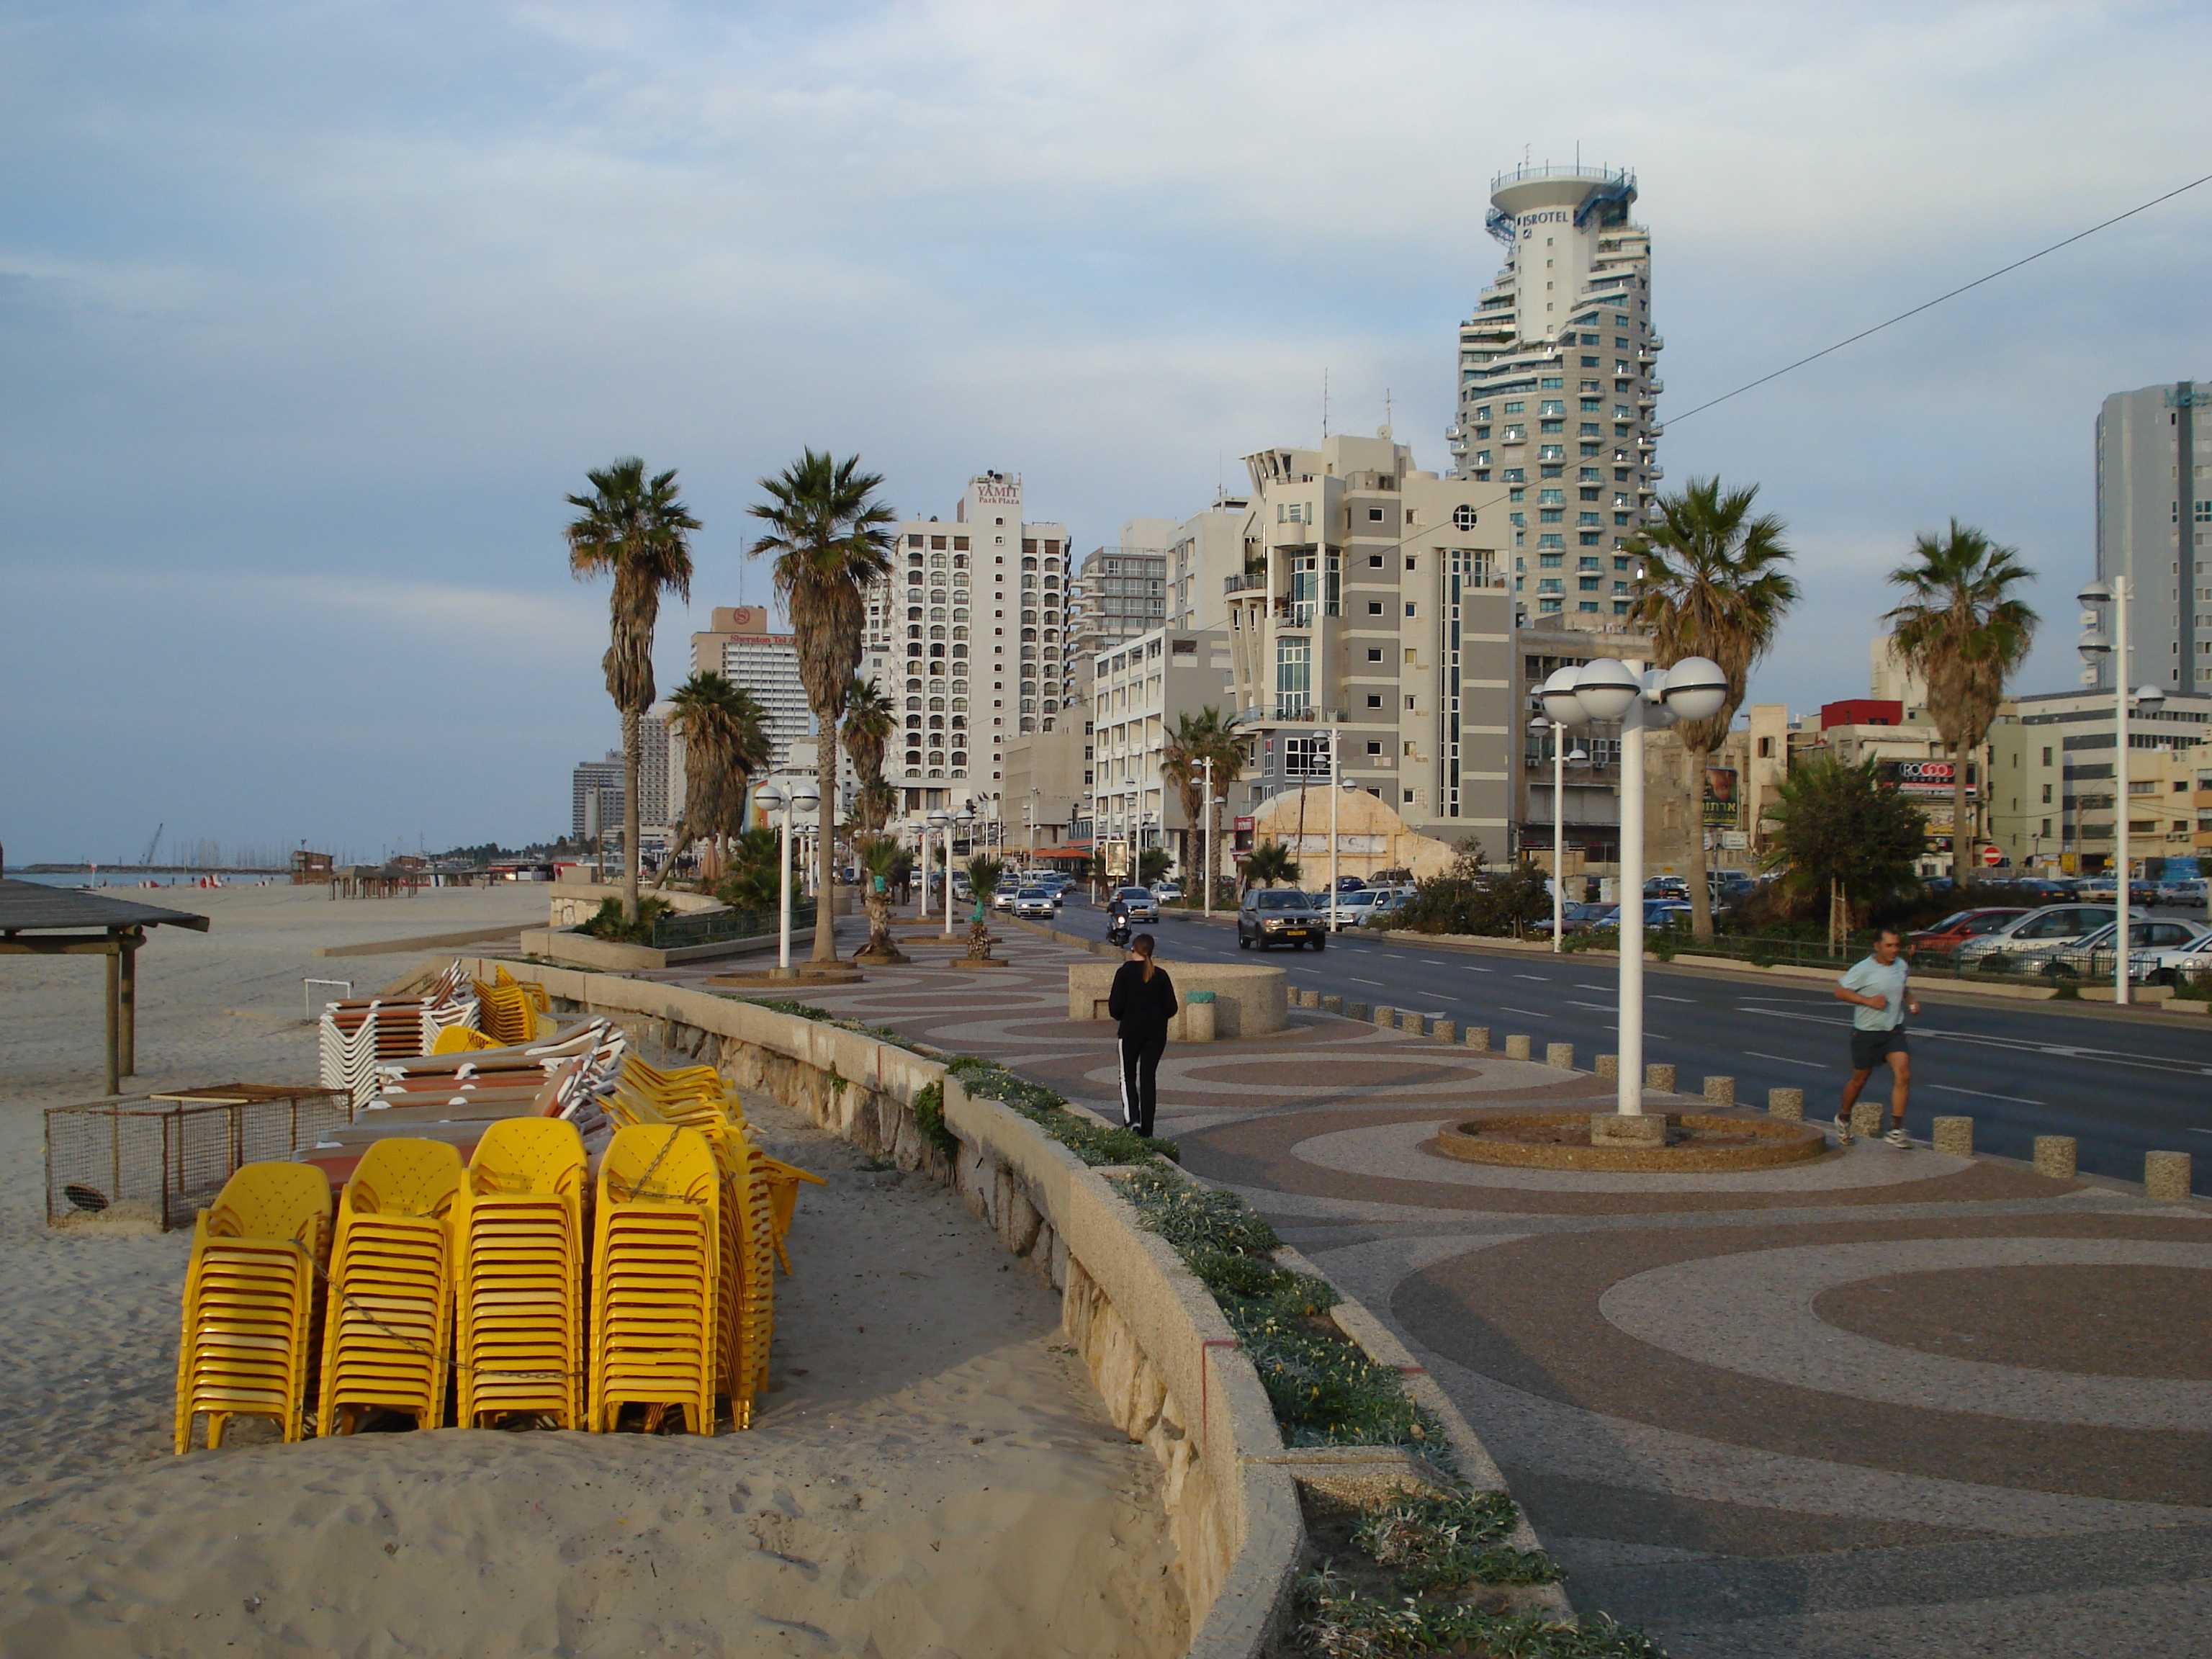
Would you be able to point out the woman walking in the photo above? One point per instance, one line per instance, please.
(1143, 1000)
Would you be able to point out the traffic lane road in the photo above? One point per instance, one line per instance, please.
(2119, 1089)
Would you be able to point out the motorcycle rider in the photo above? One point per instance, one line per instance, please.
(1117, 920)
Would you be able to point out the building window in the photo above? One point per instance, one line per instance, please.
(1374, 655)
(1374, 700)
(1375, 515)
(1373, 608)
(1463, 517)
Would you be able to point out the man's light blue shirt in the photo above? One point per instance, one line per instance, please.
(1870, 979)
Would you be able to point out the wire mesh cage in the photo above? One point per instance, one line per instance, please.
(163, 1157)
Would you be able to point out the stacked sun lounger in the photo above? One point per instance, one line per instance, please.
(356, 1033)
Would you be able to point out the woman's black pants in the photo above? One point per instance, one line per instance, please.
(1140, 1070)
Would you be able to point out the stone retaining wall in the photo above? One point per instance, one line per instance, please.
(1160, 1352)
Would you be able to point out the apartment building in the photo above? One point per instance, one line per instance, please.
(2154, 513)
(1140, 691)
(1373, 599)
(602, 778)
(1543, 643)
(2053, 776)
(739, 644)
(1120, 591)
(1557, 387)
(968, 636)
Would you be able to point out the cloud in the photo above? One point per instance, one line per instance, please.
(353, 294)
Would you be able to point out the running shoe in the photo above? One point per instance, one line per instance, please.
(1899, 1140)
(1842, 1128)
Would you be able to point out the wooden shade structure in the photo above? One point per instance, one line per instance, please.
(59, 922)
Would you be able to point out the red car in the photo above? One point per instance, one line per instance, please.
(1948, 934)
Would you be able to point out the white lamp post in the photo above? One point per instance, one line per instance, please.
(940, 821)
(920, 829)
(784, 803)
(1606, 689)
(2146, 697)
(1559, 758)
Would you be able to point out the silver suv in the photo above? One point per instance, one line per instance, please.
(1280, 916)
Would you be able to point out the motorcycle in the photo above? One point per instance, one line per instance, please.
(1118, 933)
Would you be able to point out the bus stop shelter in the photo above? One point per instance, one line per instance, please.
(37, 921)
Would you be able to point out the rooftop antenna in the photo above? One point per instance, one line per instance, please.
(1389, 420)
(1324, 404)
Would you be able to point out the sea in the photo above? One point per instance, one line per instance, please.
(129, 878)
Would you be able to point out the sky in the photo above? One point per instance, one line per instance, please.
(312, 314)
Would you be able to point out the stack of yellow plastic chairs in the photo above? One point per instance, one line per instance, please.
(507, 1010)
(389, 1329)
(519, 1232)
(656, 1250)
(251, 1299)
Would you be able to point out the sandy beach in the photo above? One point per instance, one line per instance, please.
(930, 1474)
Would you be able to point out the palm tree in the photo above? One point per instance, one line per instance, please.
(1963, 633)
(635, 529)
(1196, 739)
(1834, 828)
(825, 530)
(1713, 586)
(753, 879)
(1271, 862)
(869, 718)
(984, 874)
(879, 857)
(725, 742)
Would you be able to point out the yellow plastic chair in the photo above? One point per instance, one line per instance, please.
(461, 1039)
(520, 1341)
(389, 1329)
(656, 1246)
(245, 1349)
(783, 1180)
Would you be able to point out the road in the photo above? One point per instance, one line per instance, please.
(2121, 1084)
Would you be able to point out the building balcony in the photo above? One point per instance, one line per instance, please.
(1247, 582)
(1648, 442)
(1656, 344)
(1655, 385)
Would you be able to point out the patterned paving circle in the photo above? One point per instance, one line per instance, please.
(1469, 1077)
(1754, 1313)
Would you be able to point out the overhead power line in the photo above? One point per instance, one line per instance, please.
(1941, 298)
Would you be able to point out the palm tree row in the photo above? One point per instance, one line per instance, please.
(1196, 739)
(824, 529)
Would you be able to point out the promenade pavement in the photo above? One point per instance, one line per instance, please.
(1883, 1402)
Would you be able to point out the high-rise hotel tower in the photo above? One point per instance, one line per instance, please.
(2154, 515)
(1556, 387)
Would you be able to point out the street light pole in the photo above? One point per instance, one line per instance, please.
(963, 817)
(1606, 689)
(2146, 697)
(1335, 788)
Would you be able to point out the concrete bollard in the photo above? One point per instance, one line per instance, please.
(1444, 1030)
(1413, 1023)
(2165, 1174)
(1560, 1056)
(1866, 1119)
(1330, 1005)
(1302, 997)
(1198, 1020)
(1608, 1066)
(2054, 1157)
(1517, 1048)
(1386, 1017)
(1659, 1077)
(1352, 1010)
(1720, 1091)
(1478, 1038)
(1953, 1135)
(1786, 1102)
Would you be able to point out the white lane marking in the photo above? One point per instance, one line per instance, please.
(1657, 996)
(1354, 978)
(1782, 1060)
(1593, 988)
(2195, 1130)
(1472, 968)
(1431, 961)
(1540, 978)
(2017, 1100)
(1602, 1007)
(1526, 1013)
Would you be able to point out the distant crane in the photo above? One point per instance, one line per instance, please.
(146, 858)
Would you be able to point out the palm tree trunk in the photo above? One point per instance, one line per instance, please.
(825, 864)
(1836, 918)
(1961, 833)
(630, 720)
(679, 843)
(1701, 893)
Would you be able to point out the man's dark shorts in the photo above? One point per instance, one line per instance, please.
(1870, 1050)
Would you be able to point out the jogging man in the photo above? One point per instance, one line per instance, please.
(1875, 989)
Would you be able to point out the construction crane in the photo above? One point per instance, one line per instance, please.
(146, 858)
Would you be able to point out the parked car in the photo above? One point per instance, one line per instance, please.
(1352, 908)
(2174, 964)
(2047, 890)
(1350, 884)
(1139, 901)
(1658, 913)
(2052, 925)
(1956, 929)
(1575, 919)
(1666, 887)
(1034, 905)
(2081, 960)
(1003, 895)
(1279, 915)
(2190, 891)
(2107, 888)
(1167, 892)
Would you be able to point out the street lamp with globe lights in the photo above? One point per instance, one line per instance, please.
(1560, 759)
(1640, 699)
(963, 817)
(784, 802)
(940, 821)
(2094, 648)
